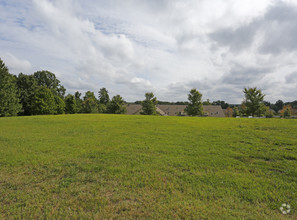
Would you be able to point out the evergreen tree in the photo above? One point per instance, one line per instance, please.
(254, 102)
(103, 100)
(9, 98)
(195, 107)
(149, 104)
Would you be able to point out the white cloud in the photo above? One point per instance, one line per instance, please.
(16, 65)
(168, 47)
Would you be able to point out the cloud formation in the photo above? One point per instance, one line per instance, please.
(167, 47)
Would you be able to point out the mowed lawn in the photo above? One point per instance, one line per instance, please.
(113, 166)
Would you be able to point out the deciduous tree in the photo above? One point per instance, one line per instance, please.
(286, 111)
(43, 102)
(116, 105)
(89, 104)
(49, 80)
(229, 112)
(70, 104)
(78, 101)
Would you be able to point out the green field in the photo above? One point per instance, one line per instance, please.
(114, 166)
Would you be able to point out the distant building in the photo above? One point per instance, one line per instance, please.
(177, 110)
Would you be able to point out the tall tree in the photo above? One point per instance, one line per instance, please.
(9, 98)
(279, 104)
(60, 105)
(103, 96)
(27, 85)
(116, 105)
(78, 101)
(43, 102)
(103, 100)
(195, 106)
(89, 104)
(254, 101)
(149, 104)
(70, 104)
(49, 80)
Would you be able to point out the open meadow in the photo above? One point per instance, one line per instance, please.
(111, 166)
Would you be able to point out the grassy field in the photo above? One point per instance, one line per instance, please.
(114, 166)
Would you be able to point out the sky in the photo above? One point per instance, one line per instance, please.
(166, 47)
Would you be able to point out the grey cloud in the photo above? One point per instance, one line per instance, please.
(237, 39)
(291, 78)
(241, 75)
(199, 84)
(278, 26)
(280, 29)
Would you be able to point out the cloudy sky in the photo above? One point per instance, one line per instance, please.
(164, 46)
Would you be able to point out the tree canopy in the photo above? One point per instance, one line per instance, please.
(195, 107)
(253, 102)
(149, 104)
(42, 93)
(116, 105)
(9, 97)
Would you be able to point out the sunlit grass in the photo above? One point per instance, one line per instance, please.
(109, 166)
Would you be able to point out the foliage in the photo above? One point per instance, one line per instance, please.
(207, 102)
(103, 96)
(254, 102)
(229, 112)
(89, 104)
(49, 80)
(116, 105)
(60, 105)
(43, 102)
(149, 104)
(235, 112)
(195, 106)
(78, 101)
(278, 105)
(9, 98)
(268, 112)
(103, 100)
(223, 104)
(70, 104)
(242, 110)
(27, 85)
(286, 112)
(292, 104)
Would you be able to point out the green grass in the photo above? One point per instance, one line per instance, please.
(114, 166)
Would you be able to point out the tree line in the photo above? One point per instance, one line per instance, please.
(41, 93)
